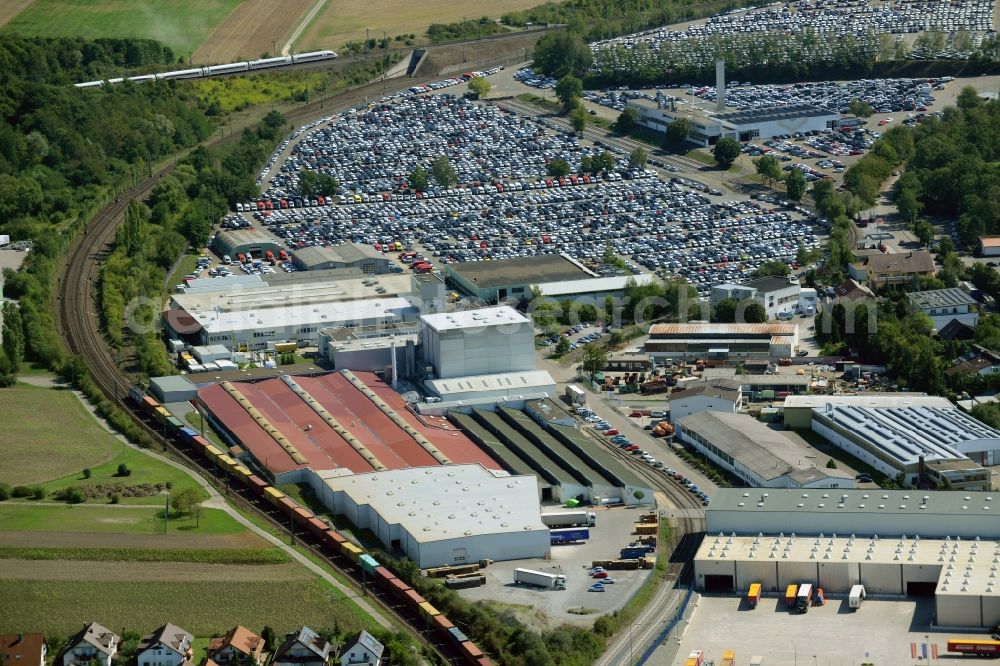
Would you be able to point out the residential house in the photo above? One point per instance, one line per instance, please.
(778, 295)
(852, 290)
(723, 395)
(239, 646)
(302, 648)
(981, 361)
(893, 270)
(945, 305)
(364, 649)
(22, 649)
(92, 643)
(169, 645)
(956, 330)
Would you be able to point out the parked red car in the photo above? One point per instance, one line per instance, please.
(611, 433)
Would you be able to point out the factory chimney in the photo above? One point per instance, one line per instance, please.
(720, 86)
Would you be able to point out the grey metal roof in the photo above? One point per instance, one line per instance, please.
(905, 434)
(941, 298)
(169, 383)
(837, 501)
(775, 113)
(522, 270)
(766, 452)
(769, 284)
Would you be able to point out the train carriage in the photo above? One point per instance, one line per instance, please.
(350, 550)
(368, 563)
(427, 611)
(470, 651)
(443, 624)
(201, 444)
(174, 424)
(257, 483)
(334, 540)
(399, 588)
(273, 495)
(242, 474)
(187, 434)
(149, 405)
(317, 526)
(413, 598)
(161, 414)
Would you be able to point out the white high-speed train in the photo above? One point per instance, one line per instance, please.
(218, 70)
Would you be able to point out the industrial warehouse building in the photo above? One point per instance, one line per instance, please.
(338, 421)
(567, 463)
(728, 342)
(724, 395)
(707, 127)
(512, 279)
(478, 342)
(916, 543)
(248, 242)
(371, 348)
(759, 455)
(250, 317)
(908, 433)
(776, 295)
(365, 258)
(441, 516)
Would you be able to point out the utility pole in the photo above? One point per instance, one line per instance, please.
(366, 44)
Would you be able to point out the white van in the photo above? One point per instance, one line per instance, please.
(227, 260)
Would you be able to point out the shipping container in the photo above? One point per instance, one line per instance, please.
(161, 414)
(470, 650)
(443, 624)
(174, 423)
(242, 474)
(398, 587)
(350, 550)
(427, 611)
(368, 563)
(383, 575)
(228, 463)
(413, 598)
(212, 453)
(317, 526)
(257, 483)
(334, 538)
(201, 443)
(149, 404)
(187, 434)
(457, 636)
(273, 495)
(303, 516)
(288, 505)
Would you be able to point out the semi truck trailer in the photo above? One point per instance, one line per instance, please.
(540, 579)
(570, 519)
(576, 395)
(568, 535)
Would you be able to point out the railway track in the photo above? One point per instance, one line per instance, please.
(78, 322)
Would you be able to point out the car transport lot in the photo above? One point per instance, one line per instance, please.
(881, 631)
(612, 533)
(504, 204)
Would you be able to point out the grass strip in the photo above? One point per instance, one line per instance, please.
(196, 555)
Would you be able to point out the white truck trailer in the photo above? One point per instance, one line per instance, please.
(856, 597)
(576, 395)
(570, 519)
(540, 579)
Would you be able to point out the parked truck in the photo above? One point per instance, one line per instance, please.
(695, 658)
(540, 579)
(575, 395)
(570, 519)
(856, 597)
(804, 598)
(568, 535)
(728, 658)
(753, 595)
(636, 551)
(790, 593)
(4, 240)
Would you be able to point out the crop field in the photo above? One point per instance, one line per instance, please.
(203, 607)
(242, 556)
(181, 24)
(160, 542)
(111, 519)
(253, 28)
(165, 572)
(48, 434)
(341, 22)
(11, 8)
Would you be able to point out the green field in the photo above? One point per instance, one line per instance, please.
(48, 434)
(199, 555)
(240, 92)
(110, 519)
(181, 24)
(144, 470)
(58, 608)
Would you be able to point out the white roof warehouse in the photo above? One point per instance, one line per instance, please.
(441, 515)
